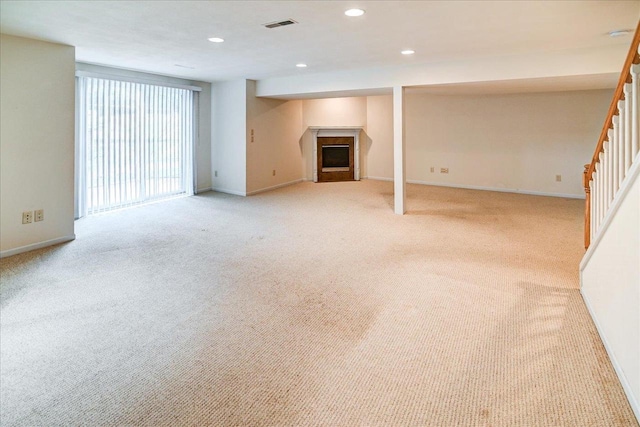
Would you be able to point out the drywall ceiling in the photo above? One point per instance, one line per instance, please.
(170, 37)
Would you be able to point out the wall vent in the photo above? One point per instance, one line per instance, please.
(280, 23)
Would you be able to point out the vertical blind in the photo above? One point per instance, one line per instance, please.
(135, 143)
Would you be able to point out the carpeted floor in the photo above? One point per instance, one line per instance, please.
(312, 305)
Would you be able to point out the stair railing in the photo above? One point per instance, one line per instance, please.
(617, 148)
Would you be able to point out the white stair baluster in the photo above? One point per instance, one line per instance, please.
(613, 157)
(594, 202)
(635, 117)
(601, 187)
(620, 144)
(606, 180)
(592, 207)
(627, 128)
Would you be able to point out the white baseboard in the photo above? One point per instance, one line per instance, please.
(633, 402)
(411, 181)
(377, 178)
(273, 187)
(224, 190)
(499, 190)
(203, 190)
(475, 187)
(34, 246)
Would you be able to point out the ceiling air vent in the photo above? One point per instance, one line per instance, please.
(280, 23)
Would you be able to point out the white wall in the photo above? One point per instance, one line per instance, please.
(514, 142)
(37, 83)
(379, 139)
(335, 112)
(203, 147)
(229, 138)
(330, 112)
(610, 285)
(276, 143)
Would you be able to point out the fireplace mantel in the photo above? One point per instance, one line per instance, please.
(336, 131)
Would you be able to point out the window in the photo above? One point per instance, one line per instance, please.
(134, 143)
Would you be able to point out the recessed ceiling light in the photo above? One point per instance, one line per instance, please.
(301, 65)
(408, 52)
(619, 33)
(354, 12)
(215, 39)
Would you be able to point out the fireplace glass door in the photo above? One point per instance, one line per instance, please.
(335, 158)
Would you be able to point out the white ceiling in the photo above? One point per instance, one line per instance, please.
(164, 37)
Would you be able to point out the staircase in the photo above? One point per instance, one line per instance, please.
(610, 269)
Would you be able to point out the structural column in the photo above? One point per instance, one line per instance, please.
(399, 155)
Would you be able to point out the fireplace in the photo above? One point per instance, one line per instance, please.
(335, 158)
(336, 152)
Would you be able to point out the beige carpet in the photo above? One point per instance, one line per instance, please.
(313, 305)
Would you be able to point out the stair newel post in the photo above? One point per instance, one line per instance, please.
(587, 208)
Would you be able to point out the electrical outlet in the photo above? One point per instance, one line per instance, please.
(444, 170)
(558, 178)
(27, 217)
(215, 174)
(433, 169)
(38, 215)
(274, 172)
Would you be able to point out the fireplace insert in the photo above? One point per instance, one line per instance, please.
(335, 158)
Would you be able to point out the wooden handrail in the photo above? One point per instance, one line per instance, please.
(625, 77)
